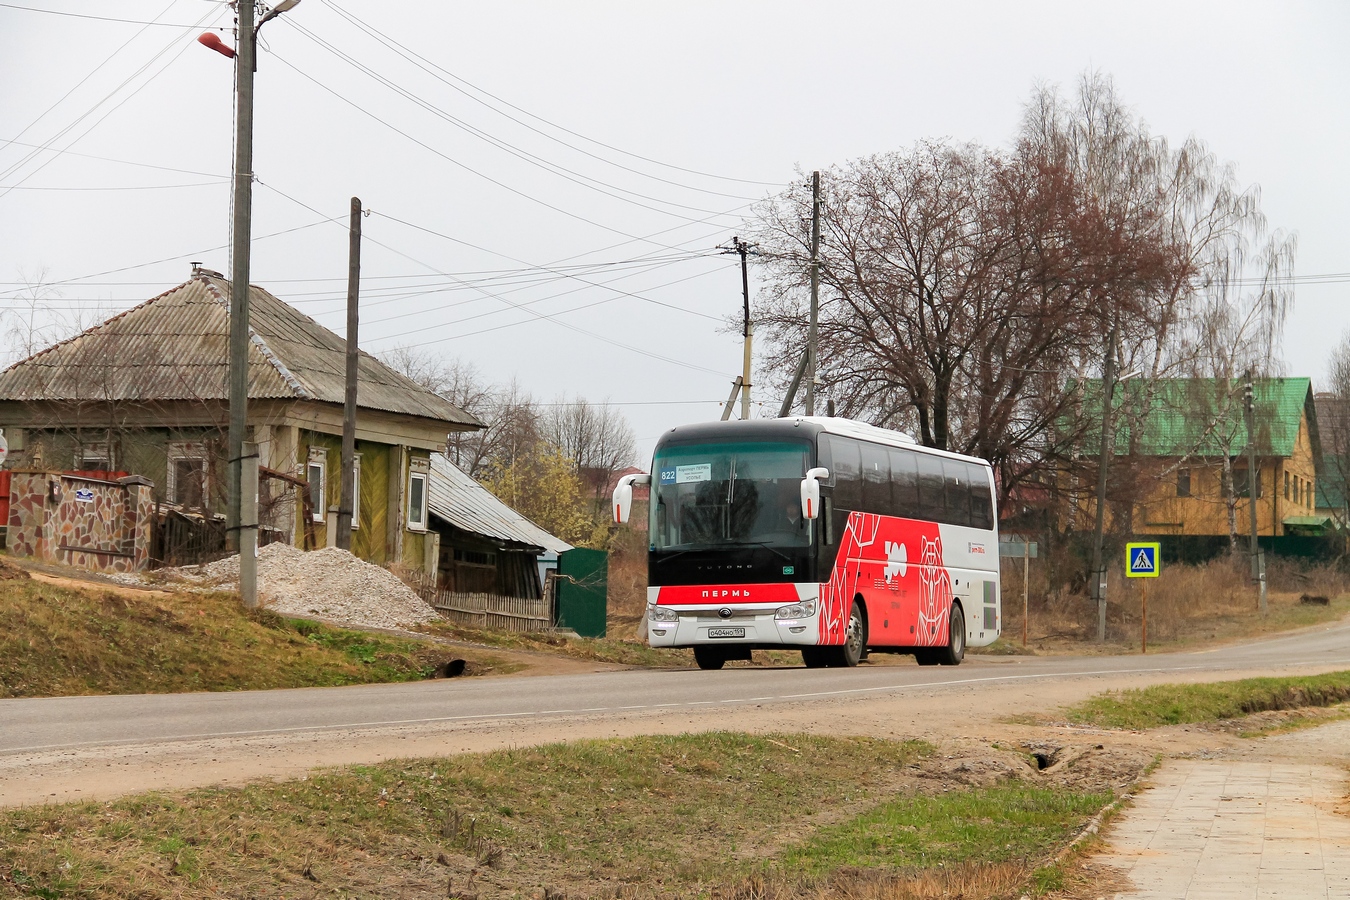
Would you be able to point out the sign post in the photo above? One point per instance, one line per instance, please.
(1020, 546)
(1143, 560)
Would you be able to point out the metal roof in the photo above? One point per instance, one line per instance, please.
(175, 347)
(1203, 416)
(456, 498)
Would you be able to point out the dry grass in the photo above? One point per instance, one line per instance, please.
(716, 815)
(1186, 605)
(60, 641)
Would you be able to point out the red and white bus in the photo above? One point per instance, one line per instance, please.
(824, 534)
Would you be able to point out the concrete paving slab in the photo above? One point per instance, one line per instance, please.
(1236, 829)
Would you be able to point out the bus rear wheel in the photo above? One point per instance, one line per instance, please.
(855, 639)
(955, 651)
(709, 657)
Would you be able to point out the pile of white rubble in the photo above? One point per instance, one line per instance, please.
(329, 584)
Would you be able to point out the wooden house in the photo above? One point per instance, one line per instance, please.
(1175, 438)
(146, 393)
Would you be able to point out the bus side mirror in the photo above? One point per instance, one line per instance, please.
(811, 492)
(623, 496)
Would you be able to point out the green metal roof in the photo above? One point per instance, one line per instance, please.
(1199, 416)
(1308, 521)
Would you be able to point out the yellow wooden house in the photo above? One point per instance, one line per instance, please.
(1174, 435)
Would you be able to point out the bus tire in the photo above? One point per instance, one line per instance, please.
(709, 658)
(955, 651)
(815, 657)
(926, 656)
(850, 653)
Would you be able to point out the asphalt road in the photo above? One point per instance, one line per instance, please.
(73, 723)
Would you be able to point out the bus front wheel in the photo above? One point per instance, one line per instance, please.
(855, 639)
(709, 657)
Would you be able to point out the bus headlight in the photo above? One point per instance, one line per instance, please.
(796, 611)
(662, 614)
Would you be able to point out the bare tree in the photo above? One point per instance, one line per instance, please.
(594, 436)
(964, 286)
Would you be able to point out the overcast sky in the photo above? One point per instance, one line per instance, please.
(629, 134)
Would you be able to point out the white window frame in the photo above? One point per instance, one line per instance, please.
(318, 459)
(179, 450)
(422, 509)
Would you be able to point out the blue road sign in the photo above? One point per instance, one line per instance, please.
(1142, 560)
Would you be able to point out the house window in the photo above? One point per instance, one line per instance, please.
(187, 475)
(316, 472)
(417, 501)
(1240, 483)
(1287, 479)
(93, 458)
(1183, 482)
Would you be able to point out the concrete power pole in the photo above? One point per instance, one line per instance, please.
(812, 361)
(239, 274)
(1254, 487)
(1103, 460)
(347, 500)
(743, 249)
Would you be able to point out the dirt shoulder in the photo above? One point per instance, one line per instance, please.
(961, 713)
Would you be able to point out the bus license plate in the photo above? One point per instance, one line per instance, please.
(726, 632)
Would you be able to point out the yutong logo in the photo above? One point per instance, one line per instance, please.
(729, 592)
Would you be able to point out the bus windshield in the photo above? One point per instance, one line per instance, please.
(719, 495)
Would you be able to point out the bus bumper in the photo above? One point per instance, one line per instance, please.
(757, 627)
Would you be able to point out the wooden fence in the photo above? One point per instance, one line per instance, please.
(487, 611)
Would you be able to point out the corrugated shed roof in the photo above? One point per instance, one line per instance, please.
(1197, 416)
(176, 347)
(457, 499)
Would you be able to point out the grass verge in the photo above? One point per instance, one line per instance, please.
(692, 815)
(58, 641)
(1180, 704)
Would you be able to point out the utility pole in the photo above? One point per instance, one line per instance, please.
(346, 501)
(1098, 563)
(744, 250)
(1253, 487)
(812, 362)
(239, 270)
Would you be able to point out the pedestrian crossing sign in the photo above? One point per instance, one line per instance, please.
(1142, 560)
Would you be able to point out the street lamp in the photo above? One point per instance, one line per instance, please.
(242, 534)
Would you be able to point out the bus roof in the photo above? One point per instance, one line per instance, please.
(799, 427)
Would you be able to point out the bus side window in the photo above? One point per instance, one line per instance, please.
(958, 492)
(904, 484)
(932, 493)
(845, 473)
(876, 472)
(981, 500)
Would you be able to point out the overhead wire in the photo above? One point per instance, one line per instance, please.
(81, 82)
(538, 315)
(125, 162)
(167, 47)
(385, 38)
(581, 179)
(466, 167)
(73, 15)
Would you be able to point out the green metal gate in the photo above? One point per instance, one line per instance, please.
(582, 586)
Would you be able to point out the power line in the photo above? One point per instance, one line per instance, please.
(167, 47)
(466, 167)
(125, 162)
(78, 278)
(385, 38)
(561, 171)
(133, 187)
(57, 12)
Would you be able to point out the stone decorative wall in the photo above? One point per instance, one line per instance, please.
(104, 526)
